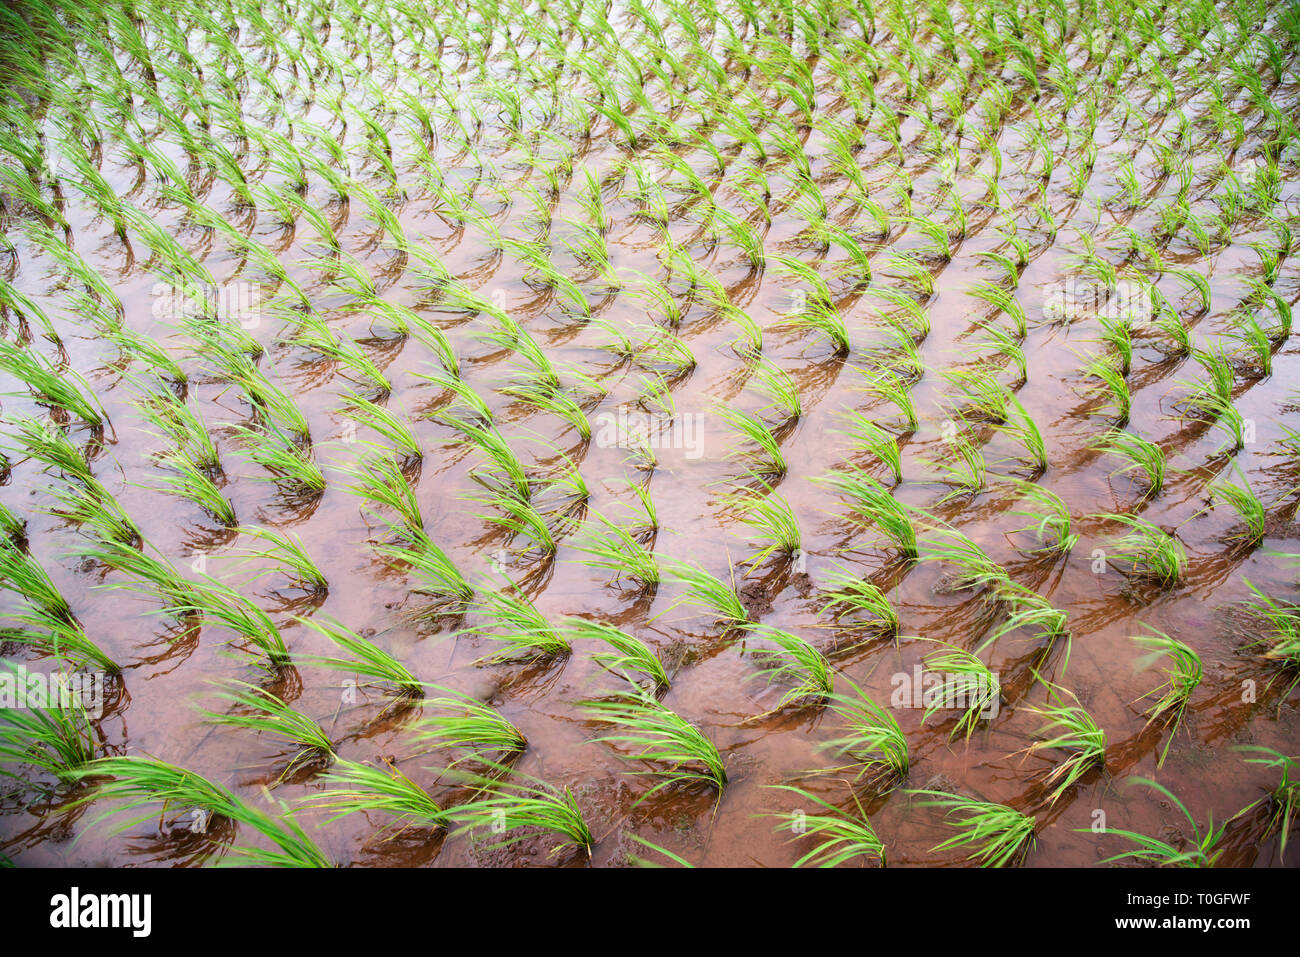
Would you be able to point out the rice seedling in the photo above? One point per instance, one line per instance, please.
(256, 709)
(1183, 676)
(513, 807)
(795, 662)
(842, 835)
(637, 861)
(386, 423)
(353, 788)
(871, 504)
(58, 740)
(466, 725)
(521, 630)
(192, 483)
(997, 835)
(1069, 728)
(869, 738)
(293, 465)
(59, 389)
(365, 658)
(1145, 552)
(379, 481)
(1243, 500)
(869, 437)
(621, 552)
(291, 555)
(1139, 453)
(703, 590)
(974, 568)
(1113, 388)
(627, 655)
(655, 734)
(967, 683)
(771, 518)
(1050, 521)
(767, 459)
(1200, 850)
(1284, 799)
(135, 785)
(438, 574)
(846, 594)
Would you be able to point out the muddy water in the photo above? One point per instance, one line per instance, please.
(152, 709)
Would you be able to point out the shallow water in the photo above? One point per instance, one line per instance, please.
(715, 683)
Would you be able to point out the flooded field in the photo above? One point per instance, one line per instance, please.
(595, 434)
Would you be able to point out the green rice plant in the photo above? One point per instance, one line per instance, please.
(656, 734)
(389, 425)
(24, 576)
(1004, 301)
(974, 567)
(353, 788)
(13, 527)
(964, 467)
(703, 590)
(256, 709)
(1147, 551)
(966, 679)
(515, 623)
(1050, 521)
(1284, 799)
(1183, 675)
(64, 389)
(1280, 644)
(192, 483)
(847, 594)
(766, 460)
(842, 835)
(1243, 500)
(1201, 850)
(776, 383)
(887, 385)
(638, 861)
(621, 552)
(378, 480)
(1114, 387)
(515, 808)
(365, 658)
(794, 661)
(47, 443)
(520, 518)
(1069, 728)
(292, 556)
(1020, 425)
(59, 740)
(510, 474)
(869, 437)
(219, 604)
(439, 576)
(184, 427)
(997, 835)
(870, 503)
(275, 451)
(869, 738)
(628, 654)
(1211, 400)
(771, 518)
(1139, 453)
(136, 785)
(466, 725)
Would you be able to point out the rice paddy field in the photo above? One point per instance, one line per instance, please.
(571, 433)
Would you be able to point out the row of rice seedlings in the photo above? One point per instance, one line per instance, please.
(137, 785)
